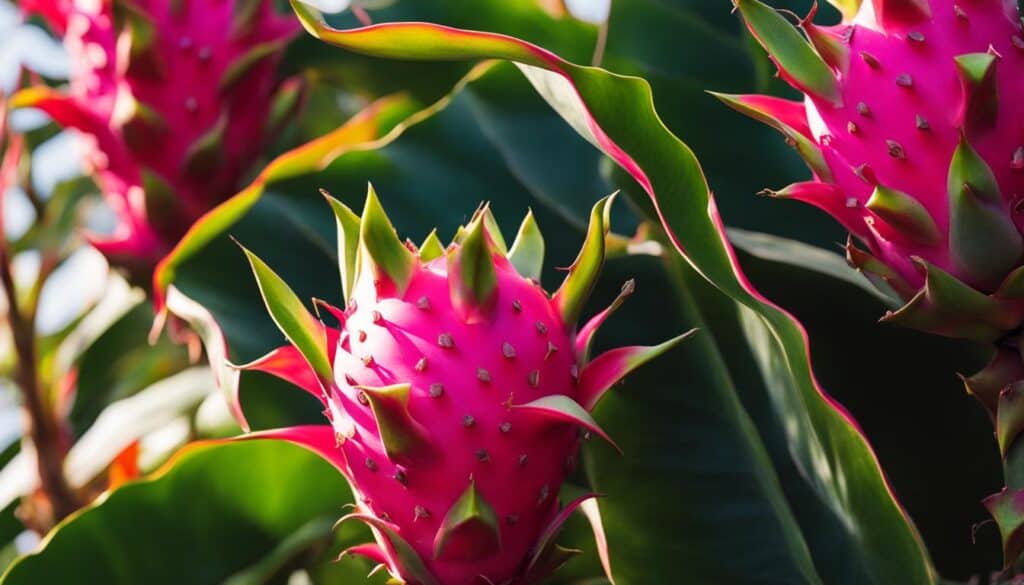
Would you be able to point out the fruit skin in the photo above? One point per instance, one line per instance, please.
(176, 99)
(457, 392)
(911, 125)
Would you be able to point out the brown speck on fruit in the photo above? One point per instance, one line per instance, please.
(534, 378)
(445, 340)
(863, 109)
(959, 12)
(895, 149)
(421, 364)
(541, 328)
(423, 304)
(904, 80)
(483, 375)
(505, 427)
(851, 127)
(436, 390)
(574, 371)
(870, 59)
(507, 350)
(545, 491)
(481, 455)
(552, 348)
(916, 36)
(523, 460)
(468, 421)
(420, 513)
(1017, 162)
(512, 519)
(865, 172)
(400, 477)
(921, 122)
(517, 306)
(371, 464)
(361, 398)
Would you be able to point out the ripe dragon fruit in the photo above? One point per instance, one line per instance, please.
(457, 391)
(912, 125)
(176, 99)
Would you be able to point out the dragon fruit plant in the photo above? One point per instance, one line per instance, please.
(457, 391)
(176, 98)
(913, 126)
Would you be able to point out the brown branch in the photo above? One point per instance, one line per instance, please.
(42, 428)
(38, 205)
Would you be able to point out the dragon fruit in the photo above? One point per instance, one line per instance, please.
(912, 125)
(457, 391)
(175, 98)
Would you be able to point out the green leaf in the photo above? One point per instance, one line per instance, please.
(292, 317)
(527, 252)
(472, 277)
(218, 510)
(470, 530)
(584, 272)
(120, 424)
(348, 244)
(120, 363)
(384, 253)
(793, 54)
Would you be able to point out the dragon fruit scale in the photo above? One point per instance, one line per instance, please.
(913, 127)
(456, 389)
(176, 99)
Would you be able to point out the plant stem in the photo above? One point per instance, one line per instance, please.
(42, 429)
(602, 40)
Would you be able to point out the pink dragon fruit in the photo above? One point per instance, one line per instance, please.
(176, 98)
(457, 392)
(914, 130)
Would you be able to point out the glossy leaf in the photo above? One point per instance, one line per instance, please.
(163, 529)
